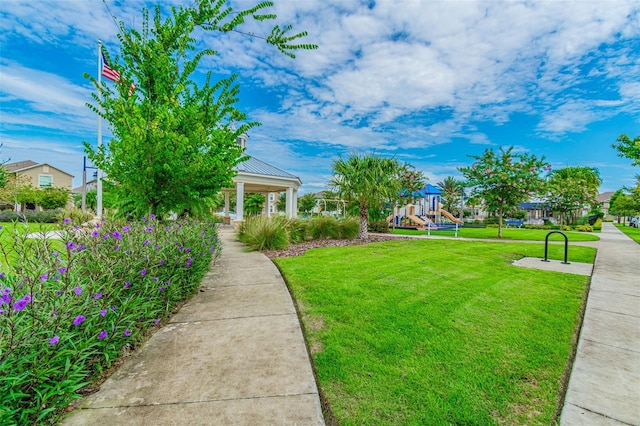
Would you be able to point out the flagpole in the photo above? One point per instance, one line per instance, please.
(99, 175)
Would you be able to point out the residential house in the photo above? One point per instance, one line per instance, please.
(604, 199)
(39, 175)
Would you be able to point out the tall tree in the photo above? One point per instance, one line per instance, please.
(571, 188)
(306, 203)
(504, 179)
(628, 148)
(411, 181)
(254, 203)
(368, 180)
(451, 193)
(282, 202)
(174, 142)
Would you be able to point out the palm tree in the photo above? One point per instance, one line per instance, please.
(451, 193)
(253, 204)
(368, 180)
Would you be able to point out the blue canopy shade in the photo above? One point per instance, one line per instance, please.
(431, 190)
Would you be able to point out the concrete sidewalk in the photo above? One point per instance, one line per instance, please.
(604, 387)
(234, 354)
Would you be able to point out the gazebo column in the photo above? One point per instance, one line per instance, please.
(227, 213)
(265, 207)
(294, 212)
(289, 203)
(239, 201)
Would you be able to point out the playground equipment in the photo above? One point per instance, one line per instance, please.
(426, 214)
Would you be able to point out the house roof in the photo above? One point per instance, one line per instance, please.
(259, 167)
(605, 196)
(20, 166)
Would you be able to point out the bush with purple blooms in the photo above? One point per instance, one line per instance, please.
(70, 307)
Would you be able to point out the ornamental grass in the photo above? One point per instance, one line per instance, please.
(70, 307)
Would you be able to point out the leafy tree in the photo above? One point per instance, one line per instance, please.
(504, 179)
(306, 203)
(628, 148)
(623, 205)
(367, 180)
(572, 188)
(53, 198)
(174, 143)
(4, 176)
(411, 181)
(14, 189)
(282, 202)
(451, 193)
(253, 204)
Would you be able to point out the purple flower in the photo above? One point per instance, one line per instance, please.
(58, 293)
(156, 321)
(113, 308)
(146, 242)
(148, 229)
(44, 277)
(97, 296)
(97, 226)
(127, 332)
(106, 236)
(117, 235)
(103, 312)
(126, 229)
(127, 284)
(1, 275)
(155, 279)
(168, 283)
(20, 304)
(167, 228)
(116, 248)
(62, 270)
(103, 335)
(54, 340)
(143, 272)
(144, 219)
(66, 220)
(78, 320)
(71, 245)
(152, 216)
(161, 262)
(187, 250)
(77, 290)
(95, 234)
(161, 289)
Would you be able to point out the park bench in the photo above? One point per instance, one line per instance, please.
(514, 222)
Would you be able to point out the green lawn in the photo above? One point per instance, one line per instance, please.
(633, 233)
(7, 232)
(438, 332)
(507, 234)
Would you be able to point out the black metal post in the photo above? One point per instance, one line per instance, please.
(566, 246)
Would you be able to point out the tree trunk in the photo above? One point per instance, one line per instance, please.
(500, 224)
(364, 222)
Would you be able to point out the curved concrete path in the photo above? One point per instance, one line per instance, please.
(604, 387)
(233, 355)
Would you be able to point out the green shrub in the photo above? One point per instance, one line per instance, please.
(297, 229)
(567, 228)
(75, 215)
(491, 220)
(70, 307)
(45, 216)
(537, 226)
(584, 228)
(263, 233)
(350, 226)
(380, 226)
(324, 227)
(493, 225)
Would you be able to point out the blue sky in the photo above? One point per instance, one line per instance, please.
(429, 82)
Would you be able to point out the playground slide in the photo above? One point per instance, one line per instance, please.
(416, 219)
(449, 215)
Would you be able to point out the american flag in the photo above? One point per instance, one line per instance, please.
(107, 72)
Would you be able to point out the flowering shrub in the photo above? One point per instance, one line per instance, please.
(70, 307)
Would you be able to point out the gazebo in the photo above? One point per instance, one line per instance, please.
(256, 176)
